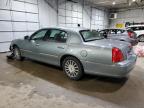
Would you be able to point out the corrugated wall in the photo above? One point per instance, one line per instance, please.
(99, 19)
(17, 19)
(70, 14)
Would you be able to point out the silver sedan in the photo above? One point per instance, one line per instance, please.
(77, 51)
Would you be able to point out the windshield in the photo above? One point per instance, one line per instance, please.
(89, 35)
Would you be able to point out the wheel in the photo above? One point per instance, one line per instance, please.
(17, 54)
(73, 68)
(141, 38)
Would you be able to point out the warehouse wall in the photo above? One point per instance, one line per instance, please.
(19, 18)
(47, 13)
(70, 14)
(128, 15)
(99, 19)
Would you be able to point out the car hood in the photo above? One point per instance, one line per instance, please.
(108, 43)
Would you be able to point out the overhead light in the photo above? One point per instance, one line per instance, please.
(130, 3)
(114, 3)
(133, 0)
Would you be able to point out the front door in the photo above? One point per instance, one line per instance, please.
(30, 47)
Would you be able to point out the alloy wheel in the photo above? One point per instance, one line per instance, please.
(71, 68)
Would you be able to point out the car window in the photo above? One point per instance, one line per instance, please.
(120, 31)
(89, 35)
(116, 31)
(39, 35)
(137, 28)
(112, 32)
(56, 36)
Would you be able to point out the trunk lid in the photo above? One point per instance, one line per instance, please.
(125, 47)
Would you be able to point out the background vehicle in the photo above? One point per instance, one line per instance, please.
(77, 52)
(139, 30)
(120, 34)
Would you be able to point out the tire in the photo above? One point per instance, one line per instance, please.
(141, 38)
(17, 54)
(73, 68)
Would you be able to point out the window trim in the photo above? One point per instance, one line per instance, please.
(36, 33)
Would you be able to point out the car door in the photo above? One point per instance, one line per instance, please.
(30, 46)
(53, 46)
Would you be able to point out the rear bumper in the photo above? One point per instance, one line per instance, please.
(117, 70)
(123, 68)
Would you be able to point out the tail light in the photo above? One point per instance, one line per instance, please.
(117, 55)
(130, 34)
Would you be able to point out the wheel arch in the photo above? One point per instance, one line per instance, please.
(12, 46)
(69, 55)
(140, 36)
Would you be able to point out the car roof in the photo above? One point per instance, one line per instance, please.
(68, 29)
(136, 26)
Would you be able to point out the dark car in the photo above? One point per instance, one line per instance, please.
(121, 34)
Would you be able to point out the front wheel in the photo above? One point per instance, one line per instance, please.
(17, 54)
(73, 68)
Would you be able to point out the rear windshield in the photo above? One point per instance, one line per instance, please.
(91, 35)
(137, 28)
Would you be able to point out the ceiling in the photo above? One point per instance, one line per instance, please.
(118, 3)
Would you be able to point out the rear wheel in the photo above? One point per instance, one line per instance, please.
(141, 38)
(73, 68)
(17, 53)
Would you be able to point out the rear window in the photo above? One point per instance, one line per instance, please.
(90, 35)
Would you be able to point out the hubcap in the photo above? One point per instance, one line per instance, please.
(142, 39)
(71, 68)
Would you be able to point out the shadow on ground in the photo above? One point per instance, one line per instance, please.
(55, 75)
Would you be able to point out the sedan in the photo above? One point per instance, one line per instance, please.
(77, 51)
(121, 34)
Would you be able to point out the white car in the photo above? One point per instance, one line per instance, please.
(139, 30)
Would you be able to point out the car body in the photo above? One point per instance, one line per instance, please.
(120, 34)
(139, 30)
(92, 55)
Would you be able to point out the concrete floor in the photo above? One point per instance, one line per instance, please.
(52, 86)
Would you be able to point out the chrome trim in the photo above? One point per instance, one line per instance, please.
(25, 50)
(49, 55)
(40, 53)
(100, 63)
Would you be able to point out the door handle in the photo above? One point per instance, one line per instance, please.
(60, 47)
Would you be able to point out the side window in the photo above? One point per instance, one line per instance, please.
(53, 34)
(57, 36)
(62, 37)
(119, 31)
(39, 35)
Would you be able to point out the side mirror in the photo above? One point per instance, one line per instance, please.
(26, 37)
